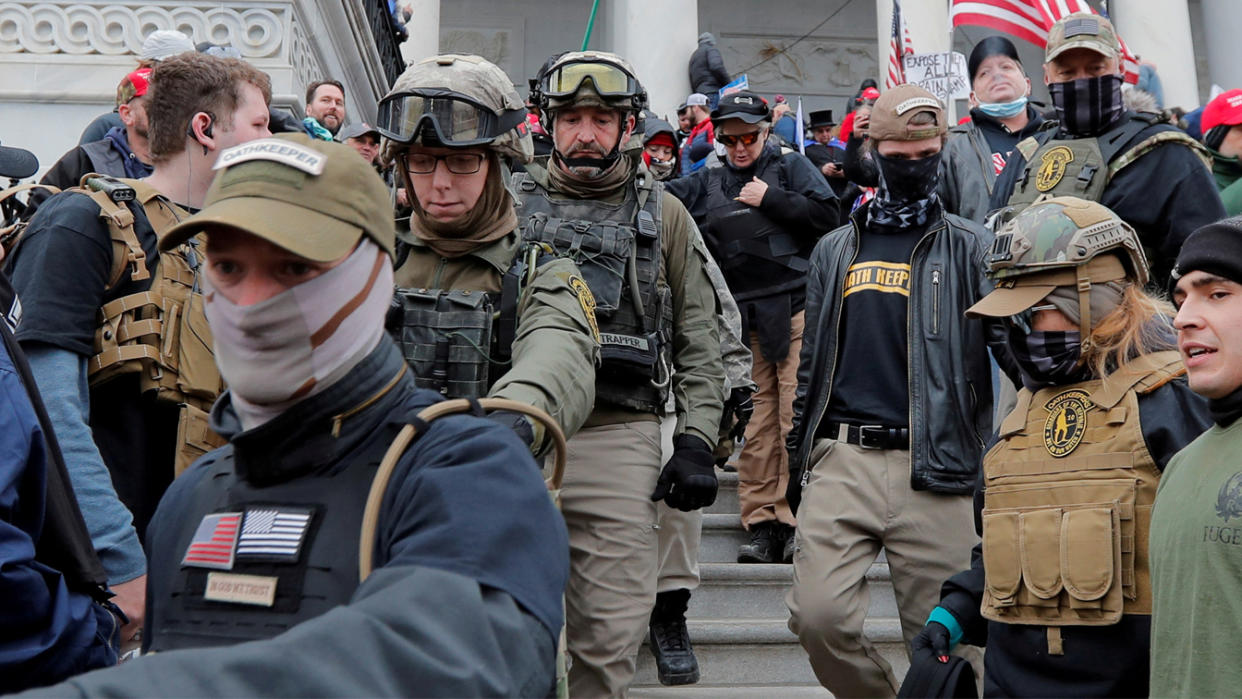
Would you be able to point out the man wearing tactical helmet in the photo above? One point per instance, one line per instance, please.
(452, 124)
(1059, 590)
(656, 309)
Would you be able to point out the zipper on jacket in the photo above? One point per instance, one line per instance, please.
(439, 273)
(806, 472)
(910, 340)
(935, 300)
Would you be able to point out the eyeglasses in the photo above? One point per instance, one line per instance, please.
(746, 139)
(457, 163)
(456, 119)
(607, 79)
(1024, 321)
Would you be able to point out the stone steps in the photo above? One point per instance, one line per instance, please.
(738, 620)
(750, 652)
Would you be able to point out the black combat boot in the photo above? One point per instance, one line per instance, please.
(670, 642)
(766, 544)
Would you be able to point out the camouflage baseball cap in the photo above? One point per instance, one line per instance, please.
(314, 198)
(1082, 30)
(891, 115)
(1058, 242)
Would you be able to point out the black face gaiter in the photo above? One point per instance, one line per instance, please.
(907, 192)
(1048, 357)
(1088, 106)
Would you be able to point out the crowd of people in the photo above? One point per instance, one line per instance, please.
(1004, 351)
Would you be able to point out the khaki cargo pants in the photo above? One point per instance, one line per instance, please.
(857, 501)
(606, 501)
(679, 532)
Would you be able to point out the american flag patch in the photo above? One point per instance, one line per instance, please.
(273, 533)
(998, 162)
(213, 542)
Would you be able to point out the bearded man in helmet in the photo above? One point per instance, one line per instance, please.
(451, 125)
(1059, 591)
(656, 308)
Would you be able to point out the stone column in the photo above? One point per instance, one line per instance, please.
(657, 37)
(1221, 19)
(1159, 31)
(424, 29)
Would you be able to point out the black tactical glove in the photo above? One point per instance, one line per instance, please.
(516, 422)
(738, 408)
(688, 481)
(932, 642)
(793, 489)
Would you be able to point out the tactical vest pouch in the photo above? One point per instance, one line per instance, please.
(161, 333)
(1056, 558)
(602, 251)
(446, 338)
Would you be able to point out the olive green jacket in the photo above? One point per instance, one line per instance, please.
(555, 349)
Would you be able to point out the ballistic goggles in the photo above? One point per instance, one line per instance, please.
(457, 120)
(607, 79)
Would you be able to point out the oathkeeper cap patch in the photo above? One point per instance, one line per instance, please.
(277, 151)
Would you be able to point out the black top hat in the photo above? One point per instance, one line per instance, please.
(822, 118)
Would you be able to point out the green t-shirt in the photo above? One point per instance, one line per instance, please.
(1196, 569)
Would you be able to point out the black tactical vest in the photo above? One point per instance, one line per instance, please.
(617, 249)
(298, 537)
(757, 255)
(459, 342)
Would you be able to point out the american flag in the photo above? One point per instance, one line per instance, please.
(273, 533)
(1031, 20)
(899, 46)
(213, 541)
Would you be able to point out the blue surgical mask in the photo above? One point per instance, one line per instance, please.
(1003, 110)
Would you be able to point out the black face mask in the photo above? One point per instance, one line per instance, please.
(905, 181)
(907, 193)
(1088, 106)
(1048, 357)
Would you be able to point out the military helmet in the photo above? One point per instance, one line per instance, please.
(589, 79)
(1063, 232)
(455, 101)
(1059, 242)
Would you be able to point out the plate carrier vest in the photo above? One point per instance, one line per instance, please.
(1068, 492)
(617, 249)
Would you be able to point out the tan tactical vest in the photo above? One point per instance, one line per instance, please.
(1080, 167)
(1067, 502)
(161, 333)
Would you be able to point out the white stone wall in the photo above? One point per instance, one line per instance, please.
(61, 60)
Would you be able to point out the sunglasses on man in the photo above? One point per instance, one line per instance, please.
(746, 139)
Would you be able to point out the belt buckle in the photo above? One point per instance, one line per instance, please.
(872, 436)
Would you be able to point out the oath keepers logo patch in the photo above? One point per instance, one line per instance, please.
(1052, 167)
(1066, 423)
(587, 300)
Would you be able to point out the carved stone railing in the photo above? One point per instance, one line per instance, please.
(60, 60)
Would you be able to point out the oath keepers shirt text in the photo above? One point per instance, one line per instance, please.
(870, 384)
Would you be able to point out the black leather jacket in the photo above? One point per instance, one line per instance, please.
(950, 382)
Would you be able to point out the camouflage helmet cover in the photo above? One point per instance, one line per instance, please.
(1062, 241)
(586, 95)
(478, 79)
(1063, 232)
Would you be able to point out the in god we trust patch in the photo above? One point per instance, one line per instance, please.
(1067, 422)
(259, 590)
(294, 155)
